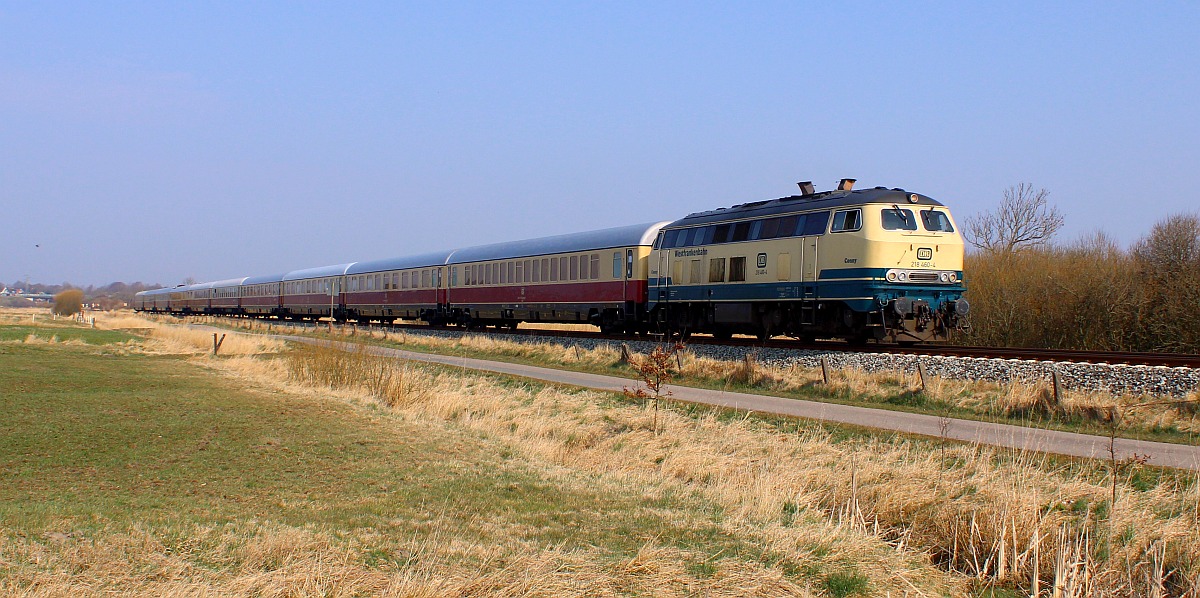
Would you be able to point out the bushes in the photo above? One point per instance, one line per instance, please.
(1092, 294)
(68, 302)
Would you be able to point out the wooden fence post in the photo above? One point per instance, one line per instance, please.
(825, 369)
(217, 343)
(921, 374)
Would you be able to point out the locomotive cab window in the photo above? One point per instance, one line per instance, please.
(895, 218)
(845, 221)
(936, 221)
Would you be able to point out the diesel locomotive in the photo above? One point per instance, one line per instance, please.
(871, 264)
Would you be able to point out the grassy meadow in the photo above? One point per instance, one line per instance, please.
(1030, 403)
(135, 462)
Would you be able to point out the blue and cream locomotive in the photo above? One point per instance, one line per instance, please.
(869, 264)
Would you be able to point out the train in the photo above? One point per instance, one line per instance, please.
(874, 264)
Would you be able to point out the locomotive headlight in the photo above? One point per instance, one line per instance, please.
(954, 277)
(891, 276)
(903, 276)
(945, 277)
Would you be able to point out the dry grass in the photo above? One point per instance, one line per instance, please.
(988, 515)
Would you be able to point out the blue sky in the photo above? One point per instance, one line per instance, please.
(157, 141)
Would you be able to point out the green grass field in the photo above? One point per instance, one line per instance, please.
(99, 447)
(142, 464)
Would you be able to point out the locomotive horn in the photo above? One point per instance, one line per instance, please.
(806, 188)
(846, 184)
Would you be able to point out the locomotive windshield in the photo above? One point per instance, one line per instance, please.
(936, 221)
(895, 218)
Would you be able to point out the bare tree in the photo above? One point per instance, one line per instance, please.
(1025, 218)
(1168, 263)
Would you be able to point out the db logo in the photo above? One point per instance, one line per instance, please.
(762, 260)
(924, 253)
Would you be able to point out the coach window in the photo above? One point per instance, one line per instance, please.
(716, 270)
(545, 270)
(553, 269)
(537, 272)
(936, 221)
(595, 260)
(737, 269)
(896, 218)
(574, 267)
(496, 267)
(528, 275)
(487, 274)
(617, 265)
(425, 279)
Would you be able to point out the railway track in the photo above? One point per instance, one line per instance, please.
(1058, 355)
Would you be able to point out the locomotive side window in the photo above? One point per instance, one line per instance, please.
(737, 269)
(769, 229)
(936, 221)
(721, 233)
(895, 218)
(716, 270)
(814, 223)
(846, 221)
(741, 232)
(669, 239)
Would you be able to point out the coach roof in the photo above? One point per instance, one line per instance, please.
(425, 260)
(803, 203)
(321, 272)
(624, 236)
(229, 282)
(263, 279)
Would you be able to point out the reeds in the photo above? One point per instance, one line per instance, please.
(986, 515)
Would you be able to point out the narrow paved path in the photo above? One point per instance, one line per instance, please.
(1003, 435)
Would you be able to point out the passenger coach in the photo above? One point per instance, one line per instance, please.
(312, 292)
(597, 277)
(407, 287)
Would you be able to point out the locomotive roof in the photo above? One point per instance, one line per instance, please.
(802, 203)
(437, 258)
(624, 236)
(321, 272)
(263, 279)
